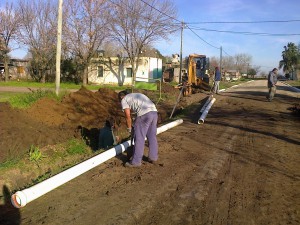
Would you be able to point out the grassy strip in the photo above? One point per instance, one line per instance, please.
(294, 83)
(6, 96)
(27, 99)
(24, 100)
(33, 84)
(50, 85)
(225, 84)
(51, 160)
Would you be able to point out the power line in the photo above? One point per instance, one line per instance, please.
(226, 52)
(248, 33)
(244, 32)
(171, 17)
(262, 21)
(125, 6)
(202, 38)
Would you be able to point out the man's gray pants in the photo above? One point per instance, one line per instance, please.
(272, 91)
(216, 87)
(145, 126)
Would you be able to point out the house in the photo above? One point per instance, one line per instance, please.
(232, 75)
(17, 69)
(118, 70)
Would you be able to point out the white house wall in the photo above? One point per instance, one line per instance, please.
(148, 68)
(143, 70)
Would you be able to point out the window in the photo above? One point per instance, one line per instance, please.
(100, 71)
(129, 72)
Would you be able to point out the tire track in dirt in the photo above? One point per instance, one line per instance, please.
(185, 200)
(261, 178)
(239, 167)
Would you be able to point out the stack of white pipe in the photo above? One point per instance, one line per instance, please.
(21, 198)
(204, 110)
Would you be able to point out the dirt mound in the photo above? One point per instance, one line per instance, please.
(49, 122)
(19, 130)
(78, 114)
(169, 89)
(90, 109)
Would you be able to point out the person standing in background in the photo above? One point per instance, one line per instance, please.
(272, 80)
(217, 80)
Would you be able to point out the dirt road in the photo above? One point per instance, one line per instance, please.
(242, 166)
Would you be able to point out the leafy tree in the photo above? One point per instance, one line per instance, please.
(139, 23)
(69, 71)
(290, 59)
(252, 72)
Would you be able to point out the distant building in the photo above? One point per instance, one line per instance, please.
(118, 70)
(231, 75)
(175, 59)
(17, 69)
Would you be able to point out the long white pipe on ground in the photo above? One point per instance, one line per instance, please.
(206, 103)
(21, 198)
(205, 112)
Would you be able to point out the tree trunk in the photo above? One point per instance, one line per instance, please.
(85, 76)
(43, 76)
(6, 68)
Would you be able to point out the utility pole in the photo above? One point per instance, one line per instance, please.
(180, 77)
(221, 60)
(58, 46)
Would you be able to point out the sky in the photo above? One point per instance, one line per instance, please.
(265, 50)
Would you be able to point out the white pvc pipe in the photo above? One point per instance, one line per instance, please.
(205, 112)
(21, 198)
(206, 103)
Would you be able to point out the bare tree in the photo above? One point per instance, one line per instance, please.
(85, 30)
(9, 25)
(238, 62)
(242, 62)
(213, 63)
(38, 26)
(139, 23)
(228, 63)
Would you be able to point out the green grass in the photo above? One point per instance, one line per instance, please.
(27, 99)
(9, 163)
(294, 83)
(34, 153)
(75, 146)
(67, 86)
(23, 100)
(146, 85)
(67, 152)
(5, 96)
(225, 84)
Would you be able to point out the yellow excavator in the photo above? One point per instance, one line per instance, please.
(197, 77)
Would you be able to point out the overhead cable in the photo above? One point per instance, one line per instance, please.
(243, 32)
(263, 21)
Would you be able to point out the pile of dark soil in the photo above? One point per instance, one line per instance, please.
(78, 114)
